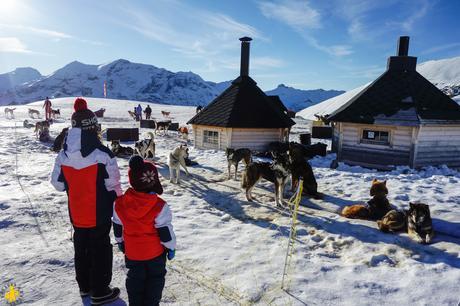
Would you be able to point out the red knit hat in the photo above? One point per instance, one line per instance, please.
(143, 176)
(80, 104)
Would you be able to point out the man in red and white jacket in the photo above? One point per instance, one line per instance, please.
(88, 172)
(143, 230)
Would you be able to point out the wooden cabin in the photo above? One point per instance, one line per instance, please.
(399, 119)
(243, 116)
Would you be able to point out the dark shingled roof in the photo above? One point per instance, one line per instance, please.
(399, 96)
(243, 105)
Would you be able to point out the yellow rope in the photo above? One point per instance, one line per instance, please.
(294, 203)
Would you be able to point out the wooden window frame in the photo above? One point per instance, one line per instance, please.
(364, 141)
(206, 137)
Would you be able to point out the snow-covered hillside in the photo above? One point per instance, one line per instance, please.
(230, 251)
(17, 77)
(443, 73)
(127, 80)
(297, 99)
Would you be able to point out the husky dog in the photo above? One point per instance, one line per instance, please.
(121, 151)
(375, 209)
(9, 112)
(419, 223)
(235, 156)
(301, 168)
(132, 114)
(40, 126)
(44, 135)
(176, 159)
(393, 221)
(146, 148)
(100, 113)
(33, 112)
(165, 114)
(27, 124)
(416, 221)
(56, 113)
(276, 172)
(162, 125)
(59, 140)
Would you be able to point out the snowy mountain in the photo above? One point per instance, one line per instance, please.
(297, 99)
(17, 77)
(127, 80)
(445, 74)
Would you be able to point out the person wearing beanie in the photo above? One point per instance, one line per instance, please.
(88, 171)
(144, 233)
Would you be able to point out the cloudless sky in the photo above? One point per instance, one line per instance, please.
(306, 44)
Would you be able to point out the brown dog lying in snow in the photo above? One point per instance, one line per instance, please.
(375, 209)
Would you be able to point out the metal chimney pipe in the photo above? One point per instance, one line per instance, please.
(244, 67)
(403, 46)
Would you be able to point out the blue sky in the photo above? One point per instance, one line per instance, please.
(306, 44)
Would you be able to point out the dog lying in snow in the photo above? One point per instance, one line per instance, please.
(27, 124)
(375, 209)
(175, 161)
(121, 151)
(235, 156)
(146, 148)
(416, 222)
(276, 172)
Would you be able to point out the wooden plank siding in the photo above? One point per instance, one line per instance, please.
(352, 151)
(198, 131)
(438, 145)
(254, 139)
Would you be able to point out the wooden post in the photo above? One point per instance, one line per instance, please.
(413, 147)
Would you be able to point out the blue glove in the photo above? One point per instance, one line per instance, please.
(121, 247)
(170, 254)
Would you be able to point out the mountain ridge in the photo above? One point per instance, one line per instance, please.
(142, 82)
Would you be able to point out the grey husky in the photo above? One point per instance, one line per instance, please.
(235, 156)
(176, 160)
(276, 172)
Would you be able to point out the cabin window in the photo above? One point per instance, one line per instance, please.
(376, 137)
(211, 138)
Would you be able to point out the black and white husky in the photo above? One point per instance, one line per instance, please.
(146, 148)
(235, 156)
(175, 161)
(276, 172)
(121, 151)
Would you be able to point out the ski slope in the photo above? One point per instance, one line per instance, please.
(230, 251)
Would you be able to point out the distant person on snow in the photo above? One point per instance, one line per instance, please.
(143, 231)
(47, 107)
(88, 171)
(148, 112)
(199, 108)
(138, 112)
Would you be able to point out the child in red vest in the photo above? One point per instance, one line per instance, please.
(143, 231)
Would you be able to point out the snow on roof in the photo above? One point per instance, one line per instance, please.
(329, 106)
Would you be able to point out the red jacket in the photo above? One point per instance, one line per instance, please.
(88, 172)
(146, 224)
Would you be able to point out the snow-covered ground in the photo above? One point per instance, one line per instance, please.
(231, 251)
